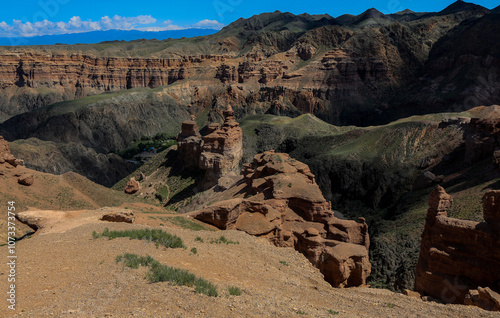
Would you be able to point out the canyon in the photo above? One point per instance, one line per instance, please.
(306, 133)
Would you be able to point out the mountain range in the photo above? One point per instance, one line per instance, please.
(103, 36)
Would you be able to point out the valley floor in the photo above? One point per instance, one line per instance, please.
(68, 273)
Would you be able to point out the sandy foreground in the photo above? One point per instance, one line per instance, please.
(67, 273)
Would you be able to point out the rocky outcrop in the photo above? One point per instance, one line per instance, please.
(132, 186)
(126, 217)
(27, 180)
(458, 256)
(484, 298)
(6, 157)
(189, 144)
(219, 152)
(283, 203)
(222, 150)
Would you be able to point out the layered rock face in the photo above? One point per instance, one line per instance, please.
(458, 256)
(36, 79)
(85, 72)
(283, 203)
(222, 149)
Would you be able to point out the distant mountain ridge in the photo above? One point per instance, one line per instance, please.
(103, 36)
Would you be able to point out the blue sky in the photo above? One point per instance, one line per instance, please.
(41, 17)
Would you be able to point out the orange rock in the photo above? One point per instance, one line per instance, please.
(26, 180)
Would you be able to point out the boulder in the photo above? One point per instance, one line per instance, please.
(484, 298)
(412, 294)
(132, 186)
(27, 180)
(127, 217)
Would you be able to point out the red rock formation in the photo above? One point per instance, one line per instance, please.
(457, 256)
(6, 157)
(484, 298)
(222, 149)
(132, 186)
(284, 204)
(189, 143)
(126, 217)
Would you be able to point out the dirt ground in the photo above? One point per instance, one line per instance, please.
(65, 272)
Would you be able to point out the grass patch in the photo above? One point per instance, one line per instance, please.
(199, 239)
(300, 312)
(185, 223)
(284, 263)
(234, 291)
(194, 250)
(391, 305)
(163, 273)
(222, 240)
(158, 236)
(333, 312)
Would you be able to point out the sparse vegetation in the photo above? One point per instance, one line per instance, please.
(158, 236)
(284, 263)
(333, 312)
(222, 240)
(234, 291)
(300, 312)
(199, 239)
(185, 223)
(391, 305)
(163, 273)
(194, 250)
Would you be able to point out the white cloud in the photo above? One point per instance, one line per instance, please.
(208, 24)
(77, 25)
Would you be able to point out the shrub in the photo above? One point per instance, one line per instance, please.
(234, 291)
